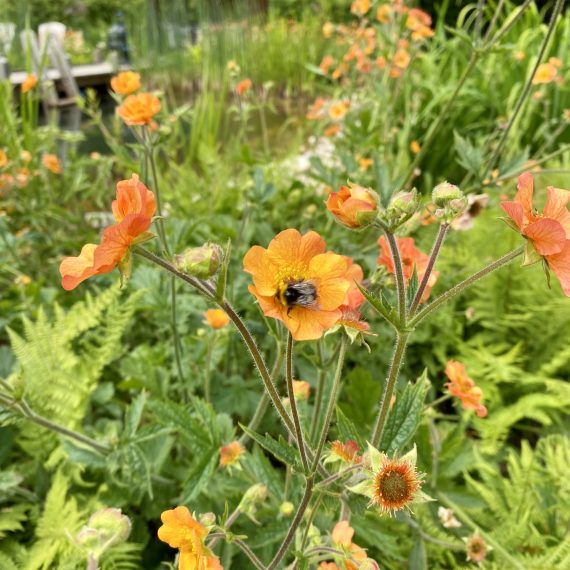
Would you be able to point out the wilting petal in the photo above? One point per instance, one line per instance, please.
(547, 236)
(74, 270)
(560, 264)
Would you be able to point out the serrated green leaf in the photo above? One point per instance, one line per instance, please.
(280, 449)
(346, 429)
(378, 305)
(405, 417)
(134, 415)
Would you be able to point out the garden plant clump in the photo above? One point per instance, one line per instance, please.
(241, 335)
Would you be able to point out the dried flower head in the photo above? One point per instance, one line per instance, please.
(477, 548)
(447, 518)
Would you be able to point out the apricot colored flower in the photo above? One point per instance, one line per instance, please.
(316, 110)
(401, 59)
(231, 453)
(520, 55)
(326, 63)
(3, 158)
(338, 110)
(549, 231)
(51, 162)
(462, 387)
(411, 257)
(332, 131)
(301, 390)
(360, 7)
(126, 82)
(296, 282)
(365, 163)
(139, 109)
(133, 209)
(383, 13)
(391, 484)
(353, 206)
(415, 147)
(328, 29)
(328, 566)
(181, 530)
(29, 83)
(546, 73)
(342, 534)
(26, 156)
(243, 87)
(419, 22)
(216, 318)
(344, 452)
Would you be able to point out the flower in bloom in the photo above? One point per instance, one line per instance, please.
(419, 22)
(181, 530)
(133, 210)
(546, 73)
(316, 110)
(520, 55)
(216, 318)
(29, 83)
(243, 87)
(411, 258)
(326, 63)
(360, 7)
(476, 548)
(338, 110)
(390, 484)
(332, 131)
(51, 162)
(547, 232)
(447, 518)
(383, 13)
(342, 534)
(344, 452)
(353, 206)
(139, 109)
(328, 29)
(415, 147)
(296, 282)
(354, 556)
(26, 156)
(231, 453)
(126, 82)
(328, 566)
(462, 387)
(301, 390)
(401, 59)
(3, 158)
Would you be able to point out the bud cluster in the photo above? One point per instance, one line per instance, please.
(449, 201)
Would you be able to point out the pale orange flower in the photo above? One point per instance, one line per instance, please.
(139, 109)
(462, 387)
(231, 453)
(415, 147)
(548, 232)
(29, 83)
(328, 566)
(126, 82)
(26, 156)
(51, 162)
(342, 534)
(351, 317)
(360, 7)
(296, 282)
(383, 13)
(3, 158)
(243, 87)
(328, 29)
(546, 73)
(401, 59)
(332, 131)
(365, 163)
(381, 62)
(419, 22)
(338, 110)
(326, 63)
(345, 452)
(411, 257)
(133, 210)
(316, 110)
(353, 206)
(181, 530)
(216, 318)
(301, 390)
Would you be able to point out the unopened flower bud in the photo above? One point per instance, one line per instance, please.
(405, 202)
(113, 526)
(287, 508)
(201, 262)
(208, 519)
(301, 390)
(353, 206)
(445, 193)
(255, 495)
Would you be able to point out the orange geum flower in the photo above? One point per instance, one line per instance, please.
(3, 158)
(133, 210)
(345, 452)
(181, 530)
(401, 59)
(51, 162)
(301, 390)
(139, 109)
(548, 232)
(243, 87)
(342, 534)
(328, 29)
(419, 22)
(415, 147)
(296, 282)
(462, 387)
(360, 7)
(231, 453)
(390, 484)
(328, 566)
(546, 73)
(126, 82)
(326, 63)
(29, 83)
(338, 110)
(353, 206)
(383, 13)
(216, 318)
(332, 131)
(411, 258)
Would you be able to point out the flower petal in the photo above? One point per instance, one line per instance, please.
(556, 207)
(257, 263)
(515, 211)
(524, 194)
(74, 270)
(307, 324)
(547, 235)
(560, 264)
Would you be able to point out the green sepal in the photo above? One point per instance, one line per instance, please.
(531, 256)
(223, 276)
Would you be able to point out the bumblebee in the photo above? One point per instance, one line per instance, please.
(301, 294)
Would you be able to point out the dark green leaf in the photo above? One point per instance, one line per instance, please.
(280, 449)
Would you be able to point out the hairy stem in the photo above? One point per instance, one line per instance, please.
(397, 358)
(460, 287)
(294, 525)
(293, 404)
(431, 263)
(319, 394)
(215, 536)
(231, 520)
(399, 273)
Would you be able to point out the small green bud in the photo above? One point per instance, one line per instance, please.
(201, 262)
(445, 193)
(287, 508)
(208, 519)
(252, 497)
(405, 202)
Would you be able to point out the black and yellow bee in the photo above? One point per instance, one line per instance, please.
(300, 294)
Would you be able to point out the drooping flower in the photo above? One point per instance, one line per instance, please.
(243, 87)
(477, 548)
(353, 206)
(462, 387)
(51, 162)
(216, 318)
(390, 484)
(181, 530)
(548, 232)
(29, 83)
(139, 109)
(545, 73)
(133, 209)
(231, 453)
(126, 83)
(296, 282)
(411, 258)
